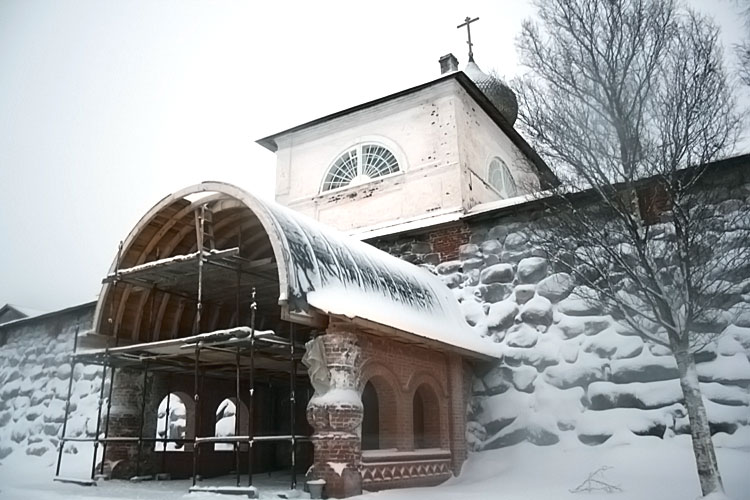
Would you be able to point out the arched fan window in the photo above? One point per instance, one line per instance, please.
(500, 178)
(358, 165)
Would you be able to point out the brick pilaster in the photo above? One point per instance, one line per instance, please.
(457, 413)
(125, 421)
(335, 417)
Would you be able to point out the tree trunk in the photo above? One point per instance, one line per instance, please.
(703, 446)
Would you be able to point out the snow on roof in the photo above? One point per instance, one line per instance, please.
(339, 275)
(25, 312)
(322, 272)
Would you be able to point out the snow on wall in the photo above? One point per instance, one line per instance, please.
(34, 373)
(570, 372)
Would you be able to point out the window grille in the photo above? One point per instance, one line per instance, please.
(360, 164)
(500, 178)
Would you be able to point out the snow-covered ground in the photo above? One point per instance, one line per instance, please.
(644, 468)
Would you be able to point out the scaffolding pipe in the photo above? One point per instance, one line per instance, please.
(292, 406)
(166, 434)
(237, 417)
(116, 333)
(200, 234)
(237, 369)
(67, 401)
(141, 422)
(106, 419)
(251, 413)
(196, 420)
(199, 229)
(99, 419)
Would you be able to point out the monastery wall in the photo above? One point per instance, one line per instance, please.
(35, 371)
(570, 370)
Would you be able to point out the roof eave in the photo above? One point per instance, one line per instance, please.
(548, 178)
(269, 142)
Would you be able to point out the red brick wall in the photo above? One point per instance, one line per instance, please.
(446, 241)
(397, 371)
(270, 417)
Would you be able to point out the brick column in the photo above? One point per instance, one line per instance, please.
(457, 412)
(124, 421)
(336, 415)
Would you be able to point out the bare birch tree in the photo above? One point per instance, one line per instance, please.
(629, 101)
(743, 49)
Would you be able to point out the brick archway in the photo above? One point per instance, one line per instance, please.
(424, 388)
(426, 418)
(175, 400)
(220, 428)
(389, 407)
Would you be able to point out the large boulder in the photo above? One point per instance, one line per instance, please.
(515, 242)
(502, 314)
(523, 293)
(537, 311)
(491, 247)
(452, 280)
(532, 269)
(499, 273)
(573, 326)
(493, 292)
(569, 375)
(473, 263)
(468, 251)
(523, 336)
(576, 305)
(644, 368)
(556, 286)
(448, 267)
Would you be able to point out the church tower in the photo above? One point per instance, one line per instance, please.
(427, 154)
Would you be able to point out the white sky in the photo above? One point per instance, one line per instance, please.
(108, 106)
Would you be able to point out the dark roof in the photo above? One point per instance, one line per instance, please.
(9, 312)
(547, 177)
(41, 317)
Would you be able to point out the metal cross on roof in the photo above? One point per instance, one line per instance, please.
(467, 23)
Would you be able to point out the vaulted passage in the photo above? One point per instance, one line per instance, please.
(201, 327)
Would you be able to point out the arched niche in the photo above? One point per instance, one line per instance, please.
(426, 416)
(174, 422)
(226, 415)
(380, 417)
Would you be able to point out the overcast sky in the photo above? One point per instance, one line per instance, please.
(108, 106)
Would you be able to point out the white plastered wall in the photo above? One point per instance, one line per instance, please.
(480, 139)
(420, 129)
(442, 139)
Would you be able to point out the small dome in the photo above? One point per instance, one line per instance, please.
(496, 90)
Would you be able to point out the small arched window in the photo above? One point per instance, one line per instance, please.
(499, 177)
(171, 424)
(226, 418)
(358, 165)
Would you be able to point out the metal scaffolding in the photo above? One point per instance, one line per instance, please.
(229, 353)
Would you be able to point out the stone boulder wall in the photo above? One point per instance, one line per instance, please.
(571, 371)
(34, 374)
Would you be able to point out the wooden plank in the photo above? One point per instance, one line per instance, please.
(250, 491)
